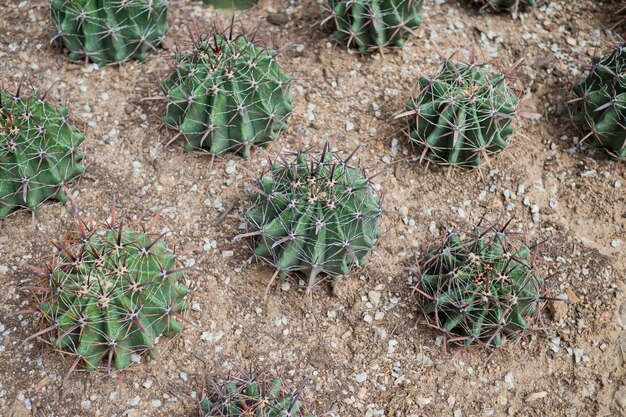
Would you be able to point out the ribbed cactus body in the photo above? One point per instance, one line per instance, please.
(252, 396)
(314, 215)
(463, 115)
(112, 293)
(479, 286)
(373, 24)
(230, 4)
(227, 95)
(109, 31)
(601, 107)
(38, 151)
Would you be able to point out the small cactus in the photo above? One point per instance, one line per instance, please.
(373, 24)
(601, 103)
(479, 286)
(462, 116)
(110, 293)
(38, 151)
(257, 395)
(314, 215)
(507, 5)
(230, 4)
(109, 31)
(226, 94)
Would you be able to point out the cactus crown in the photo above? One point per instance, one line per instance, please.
(110, 293)
(373, 24)
(226, 94)
(479, 286)
(109, 31)
(314, 215)
(601, 103)
(38, 151)
(242, 395)
(462, 116)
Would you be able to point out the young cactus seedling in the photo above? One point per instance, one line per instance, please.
(313, 215)
(38, 151)
(479, 286)
(110, 293)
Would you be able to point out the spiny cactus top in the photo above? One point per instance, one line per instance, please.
(314, 215)
(111, 292)
(230, 4)
(226, 94)
(109, 31)
(38, 151)
(462, 115)
(257, 395)
(479, 286)
(373, 24)
(507, 5)
(601, 106)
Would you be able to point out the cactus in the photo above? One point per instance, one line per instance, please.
(109, 31)
(374, 24)
(462, 116)
(600, 106)
(227, 94)
(479, 286)
(230, 4)
(256, 395)
(507, 5)
(314, 215)
(38, 151)
(110, 293)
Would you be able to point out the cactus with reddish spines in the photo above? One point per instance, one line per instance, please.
(601, 104)
(254, 395)
(314, 215)
(110, 292)
(38, 151)
(462, 116)
(226, 94)
(373, 24)
(109, 31)
(480, 286)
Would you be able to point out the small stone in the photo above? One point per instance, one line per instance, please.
(509, 379)
(277, 19)
(155, 403)
(86, 404)
(148, 384)
(424, 360)
(360, 378)
(536, 396)
(183, 376)
(227, 253)
(374, 297)
(349, 126)
(616, 243)
(135, 401)
(422, 401)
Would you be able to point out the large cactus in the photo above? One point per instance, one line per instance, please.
(38, 151)
(109, 31)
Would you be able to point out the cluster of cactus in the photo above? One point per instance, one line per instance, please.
(257, 395)
(226, 94)
(38, 151)
(507, 5)
(314, 215)
(601, 103)
(462, 116)
(109, 31)
(479, 286)
(374, 24)
(230, 4)
(111, 292)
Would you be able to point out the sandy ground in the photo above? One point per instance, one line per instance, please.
(359, 366)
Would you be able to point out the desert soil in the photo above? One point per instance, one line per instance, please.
(359, 340)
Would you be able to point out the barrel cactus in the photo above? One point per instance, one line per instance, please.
(373, 24)
(479, 286)
(230, 4)
(110, 293)
(242, 395)
(109, 31)
(314, 215)
(462, 116)
(38, 151)
(226, 94)
(507, 5)
(601, 103)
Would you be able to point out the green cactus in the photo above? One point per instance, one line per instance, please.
(462, 116)
(38, 151)
(227, 94)
(479, 286)
(230, 4)
(243, 395)
(601, 103)
(314, 215)
(111, 292)
(109, 31)
(374, 24)
(507, 5)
